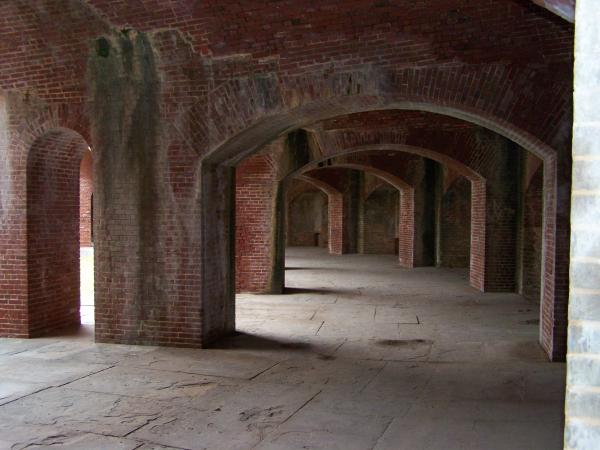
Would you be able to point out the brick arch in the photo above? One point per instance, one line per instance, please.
(548, 300)
(407, 219)
(53, 169)
(242, 115)
(458, 166)
(406, 250)
(552, 305)
(31, 125)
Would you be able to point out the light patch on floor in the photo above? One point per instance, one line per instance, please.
(358, 354)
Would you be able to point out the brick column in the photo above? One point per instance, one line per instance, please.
(258, 219)
(478, 235)
(13, 229)
(406, 229)
(582, 430)
(152, 283)
(336, 223)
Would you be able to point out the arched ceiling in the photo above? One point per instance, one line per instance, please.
(44, 44)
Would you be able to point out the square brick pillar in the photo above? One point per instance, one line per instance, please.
(259, 227)
(13, 229)
(149, 284)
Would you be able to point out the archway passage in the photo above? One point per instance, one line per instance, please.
(476, 234)
(53, 231)
(233, 119)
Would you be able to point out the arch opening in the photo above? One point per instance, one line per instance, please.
(59, 189)
(262, 131)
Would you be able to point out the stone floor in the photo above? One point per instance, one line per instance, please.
(358, 354)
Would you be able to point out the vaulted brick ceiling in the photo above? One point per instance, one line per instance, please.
(396, 119)
(44, 43)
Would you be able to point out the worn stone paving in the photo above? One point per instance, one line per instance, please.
(358, 354)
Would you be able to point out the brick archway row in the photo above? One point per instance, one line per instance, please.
(335, 211)
(406, 224)
(477, 268)
(184, 278)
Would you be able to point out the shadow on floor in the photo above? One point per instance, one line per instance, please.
(323, 291)
(75, 331)
(246, 341)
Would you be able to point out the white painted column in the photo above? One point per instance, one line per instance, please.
(582, 431)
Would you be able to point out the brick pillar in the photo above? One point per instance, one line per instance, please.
(13, 228)
(336, 223)
(259, 249)
(478, 235)
(149, 283)
(582, 428)
(218, 253)
(406, 228)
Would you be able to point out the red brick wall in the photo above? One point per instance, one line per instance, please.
(53, 169)
(86, 189)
